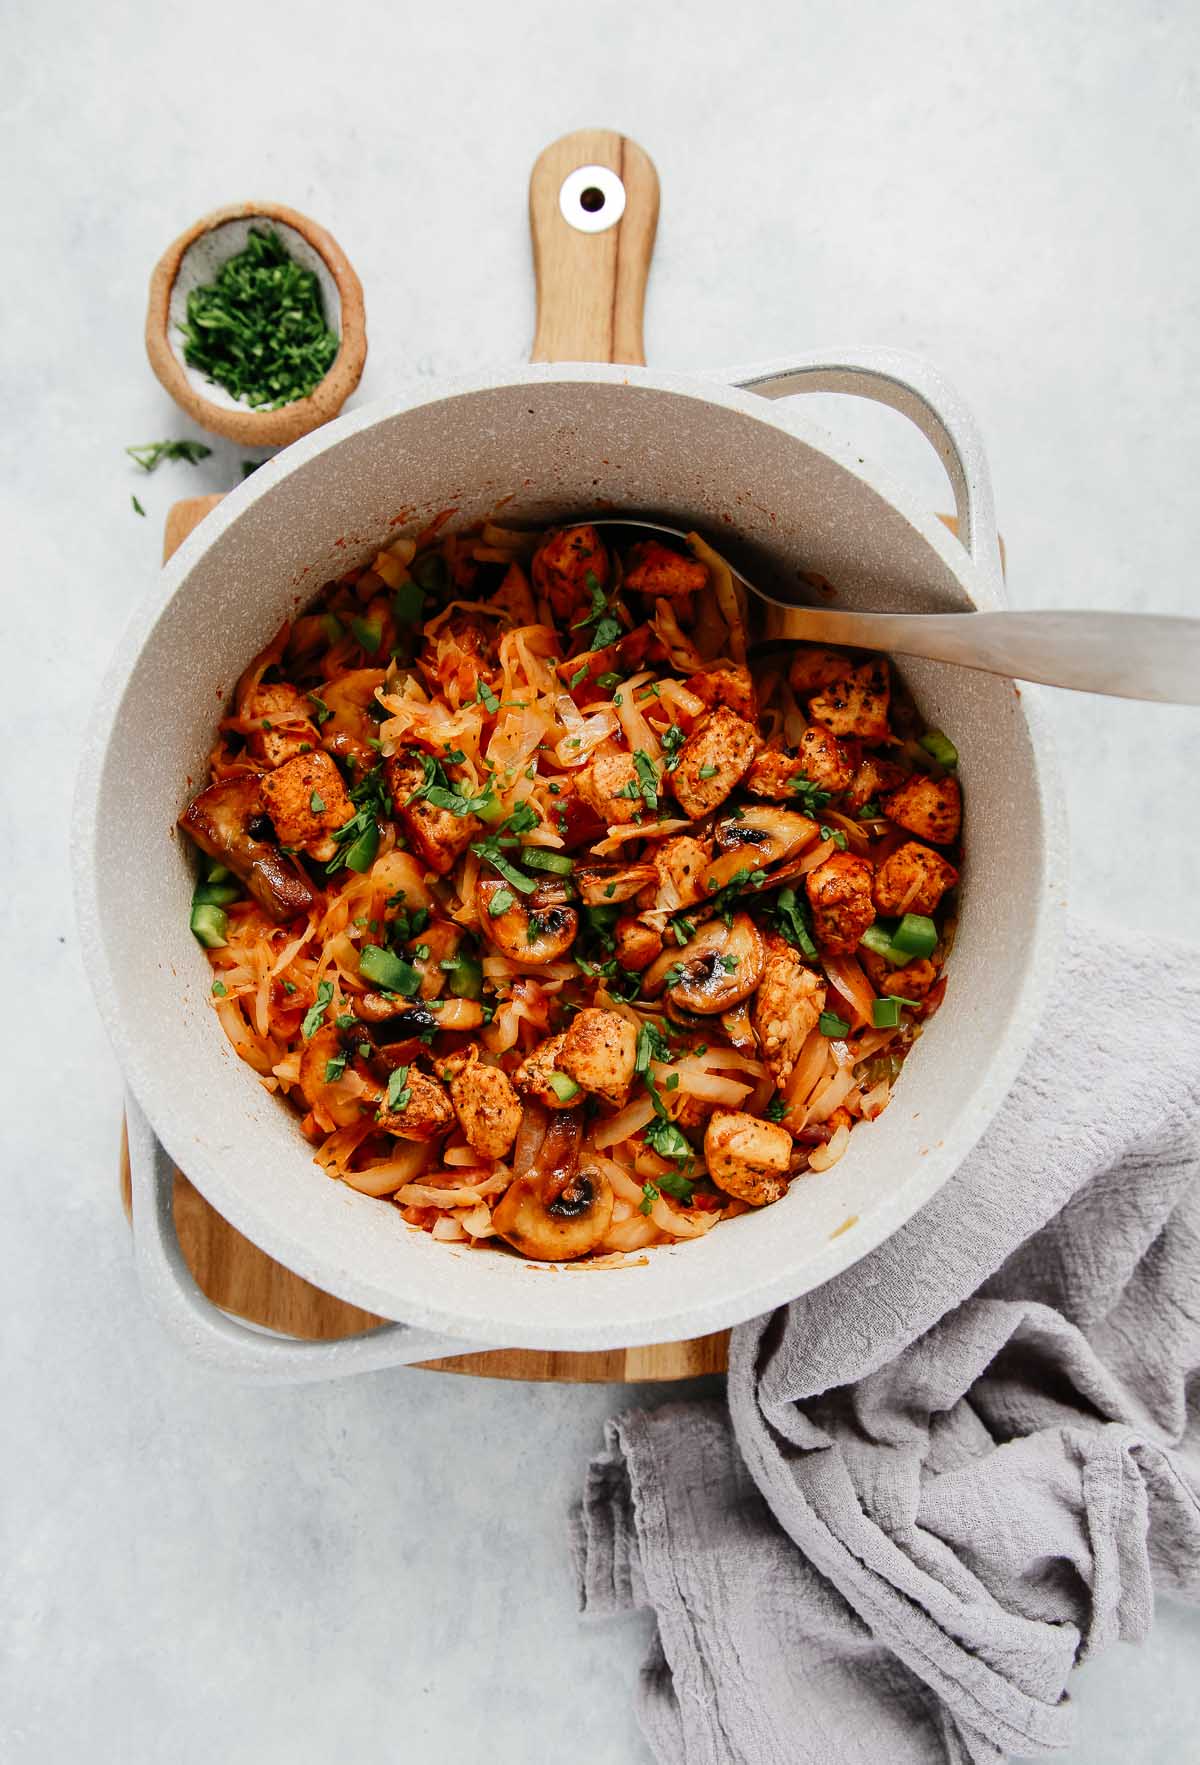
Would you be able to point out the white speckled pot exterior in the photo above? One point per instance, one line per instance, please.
(557, 440)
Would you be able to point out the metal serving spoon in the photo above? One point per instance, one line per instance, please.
(1126, 655)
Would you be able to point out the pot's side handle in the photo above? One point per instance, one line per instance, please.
(207, 1333)
(920, 392)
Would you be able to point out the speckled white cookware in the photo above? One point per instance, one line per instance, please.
(558, 440)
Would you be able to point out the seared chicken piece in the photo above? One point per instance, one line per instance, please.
(463, 651)
(813, 668)
(746, 1157)
(532, 1077)
(483, 1099)
(291, 731)
(561, 566)
(820, 759)
(789, 1000)
(515, 597)
(913, 880)
(598, 1052)
(654, 569)
(713, 761)
(912, 981)
(681, 865)
(438, 835)
(857, 704)
(929, 807)
(839, 892)
(872, 778)
(425, 1115)
(609, 785)
(219, 821)
(773, 774)
(531, 929)
(307, 801)
(637, 944)
(727, 684)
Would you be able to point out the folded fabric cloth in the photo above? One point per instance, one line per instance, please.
(966, 1463)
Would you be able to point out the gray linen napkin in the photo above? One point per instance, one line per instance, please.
(966, 1463)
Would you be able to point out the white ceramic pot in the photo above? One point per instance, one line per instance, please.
(559, 440)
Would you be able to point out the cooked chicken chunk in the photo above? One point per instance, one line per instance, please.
(929, 807)
(728, 684)
(746, 1157)
(609, 785)
(598, 1052)
(637, 944)
(857, 704)
(839, 892)
(789, 1000)
(681, 864)
(424, 1115)
(483, 1099)
(872, 778)
(561, 566)
(307, 801)
(463, 651)
(291, 731)
(515, 597)
(913, 880)
(820, 759)
(912, 981)
(813, 667)
(713, 761)
(438, 835)
(532, 1077)
(654, 569)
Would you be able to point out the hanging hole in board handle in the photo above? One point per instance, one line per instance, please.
(591, 199)
(593, 212)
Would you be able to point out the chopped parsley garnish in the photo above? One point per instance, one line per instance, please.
(149, 454)
(218, 988)
(399, 1091)
(777, 1109)
(345, 1021)
(137, 507)
(357, 840)
(500, 902)
(579, 676)
(649, 1197)
(812, 797)
(335, 1068)
(607, 628)
(836, 835)
(314, 1016)
(672, 739)
(869, 811)
(708, 771)
(683, 929)
(662, 1136)
(320, 709)
(438, 790)
(792, 921)
(486, 697)
(677, 1186)
(317, 803)
(647, 777)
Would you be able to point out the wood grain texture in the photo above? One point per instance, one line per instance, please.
(243, 1280)
(591, 287)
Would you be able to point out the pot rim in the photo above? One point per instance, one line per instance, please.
(762, 1289)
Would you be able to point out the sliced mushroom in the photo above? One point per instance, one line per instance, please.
(556, 1212)
(761, 836)
(601, 885)
(714, 971)
(219, 820)
(530, 929)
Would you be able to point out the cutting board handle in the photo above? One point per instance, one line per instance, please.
(593, 212)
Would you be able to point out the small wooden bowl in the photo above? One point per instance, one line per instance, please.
(194, 259)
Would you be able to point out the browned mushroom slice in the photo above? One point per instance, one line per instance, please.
(600, 884)
(219, 820)
(556, 1212)
(761, 836)
(532, 929)
(714, 971)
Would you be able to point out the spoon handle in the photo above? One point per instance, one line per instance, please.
(1126, 655)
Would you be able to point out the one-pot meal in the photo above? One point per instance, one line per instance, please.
(565, 916)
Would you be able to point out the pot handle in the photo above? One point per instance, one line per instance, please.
(916, 389)
(209, 1334)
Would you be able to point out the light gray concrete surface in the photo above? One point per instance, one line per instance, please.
(193, 1572)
